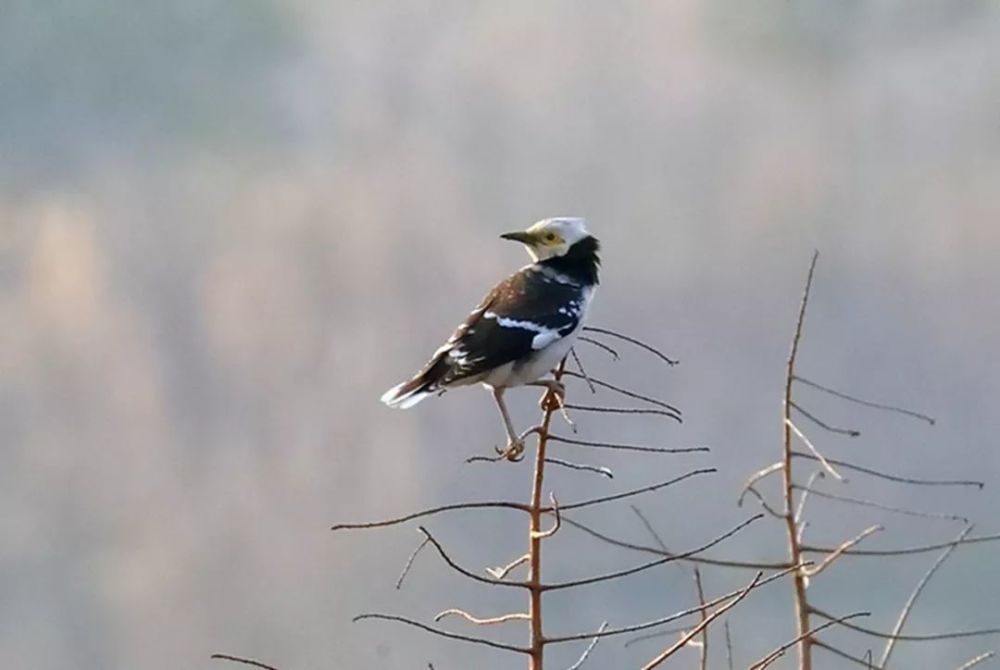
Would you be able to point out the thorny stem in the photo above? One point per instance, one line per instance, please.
(794, 550)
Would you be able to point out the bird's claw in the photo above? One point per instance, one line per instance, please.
(553, 398)
(514, 451)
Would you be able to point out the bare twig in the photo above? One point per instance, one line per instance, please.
(780, 651)
(462, 571)
(492, 621)
(703, 651)
(729, 646)
(820, 457)
(625, 410)
(911, 601)
(244, 661)
(583, 370)
(904, 551)
(627, 393)
(431, 512)
(655, 623)
(911, 638)
(631, 340)
(635, 492)
(699, 588)
(596, 469)
(670, 651)
(977, 660)
(502, 572)
(866, 403)
(542, 534)
(866, 663)
(801, 509)
(409, 563)
(652, 564)
(891, 477)
(749, 565)
(629, 447)
(441, 633)
(839, 551)
(850, 432)
(756, 477)
(763, 502)
(870, 503)
(600, 345)
(590, 647)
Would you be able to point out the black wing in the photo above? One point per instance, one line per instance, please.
(524, 313)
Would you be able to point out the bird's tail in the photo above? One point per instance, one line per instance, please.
(409, 393)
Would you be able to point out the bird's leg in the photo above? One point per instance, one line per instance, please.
(515, 444)
(554, 398)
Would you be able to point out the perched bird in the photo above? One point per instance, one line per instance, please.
(523, 327)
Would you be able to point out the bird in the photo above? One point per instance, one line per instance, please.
(523, 328)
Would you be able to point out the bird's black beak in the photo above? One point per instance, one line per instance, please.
(521, 236)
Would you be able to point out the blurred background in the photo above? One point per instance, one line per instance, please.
(227, 227)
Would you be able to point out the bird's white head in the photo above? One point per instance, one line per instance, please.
(551, 237)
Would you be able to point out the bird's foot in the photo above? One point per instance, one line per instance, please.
(553, 398)
(514, 451)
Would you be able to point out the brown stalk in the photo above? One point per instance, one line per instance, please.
(794, 550)
(535, 534)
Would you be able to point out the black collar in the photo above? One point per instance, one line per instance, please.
(580, 264)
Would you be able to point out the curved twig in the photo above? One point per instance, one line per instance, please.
(780, 651)
(911, 601)
(635, 492)
(652, 564)
(600, 345)
(631, 340)
(625, 410)
(665, 620)
(244, 661)
(625, 392)
(910, 638)
(891, 477)
(431, 512)
(866, 403)
(630, 447)
(462, 571)
(442, 633)
(681, 643)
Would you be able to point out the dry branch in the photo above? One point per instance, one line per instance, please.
(655, 623)
(629, 447)
(631, 340)
(956, 635)
(911, 601)
(441, 633)
(866, 403)
(705, 622)
(646, 566)
(891, 477)
(243, 661)
(780, 651)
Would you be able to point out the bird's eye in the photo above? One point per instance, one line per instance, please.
(551, 237)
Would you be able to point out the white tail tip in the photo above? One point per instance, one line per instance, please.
(393, 397)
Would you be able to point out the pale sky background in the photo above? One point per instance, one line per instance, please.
(227, 227)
